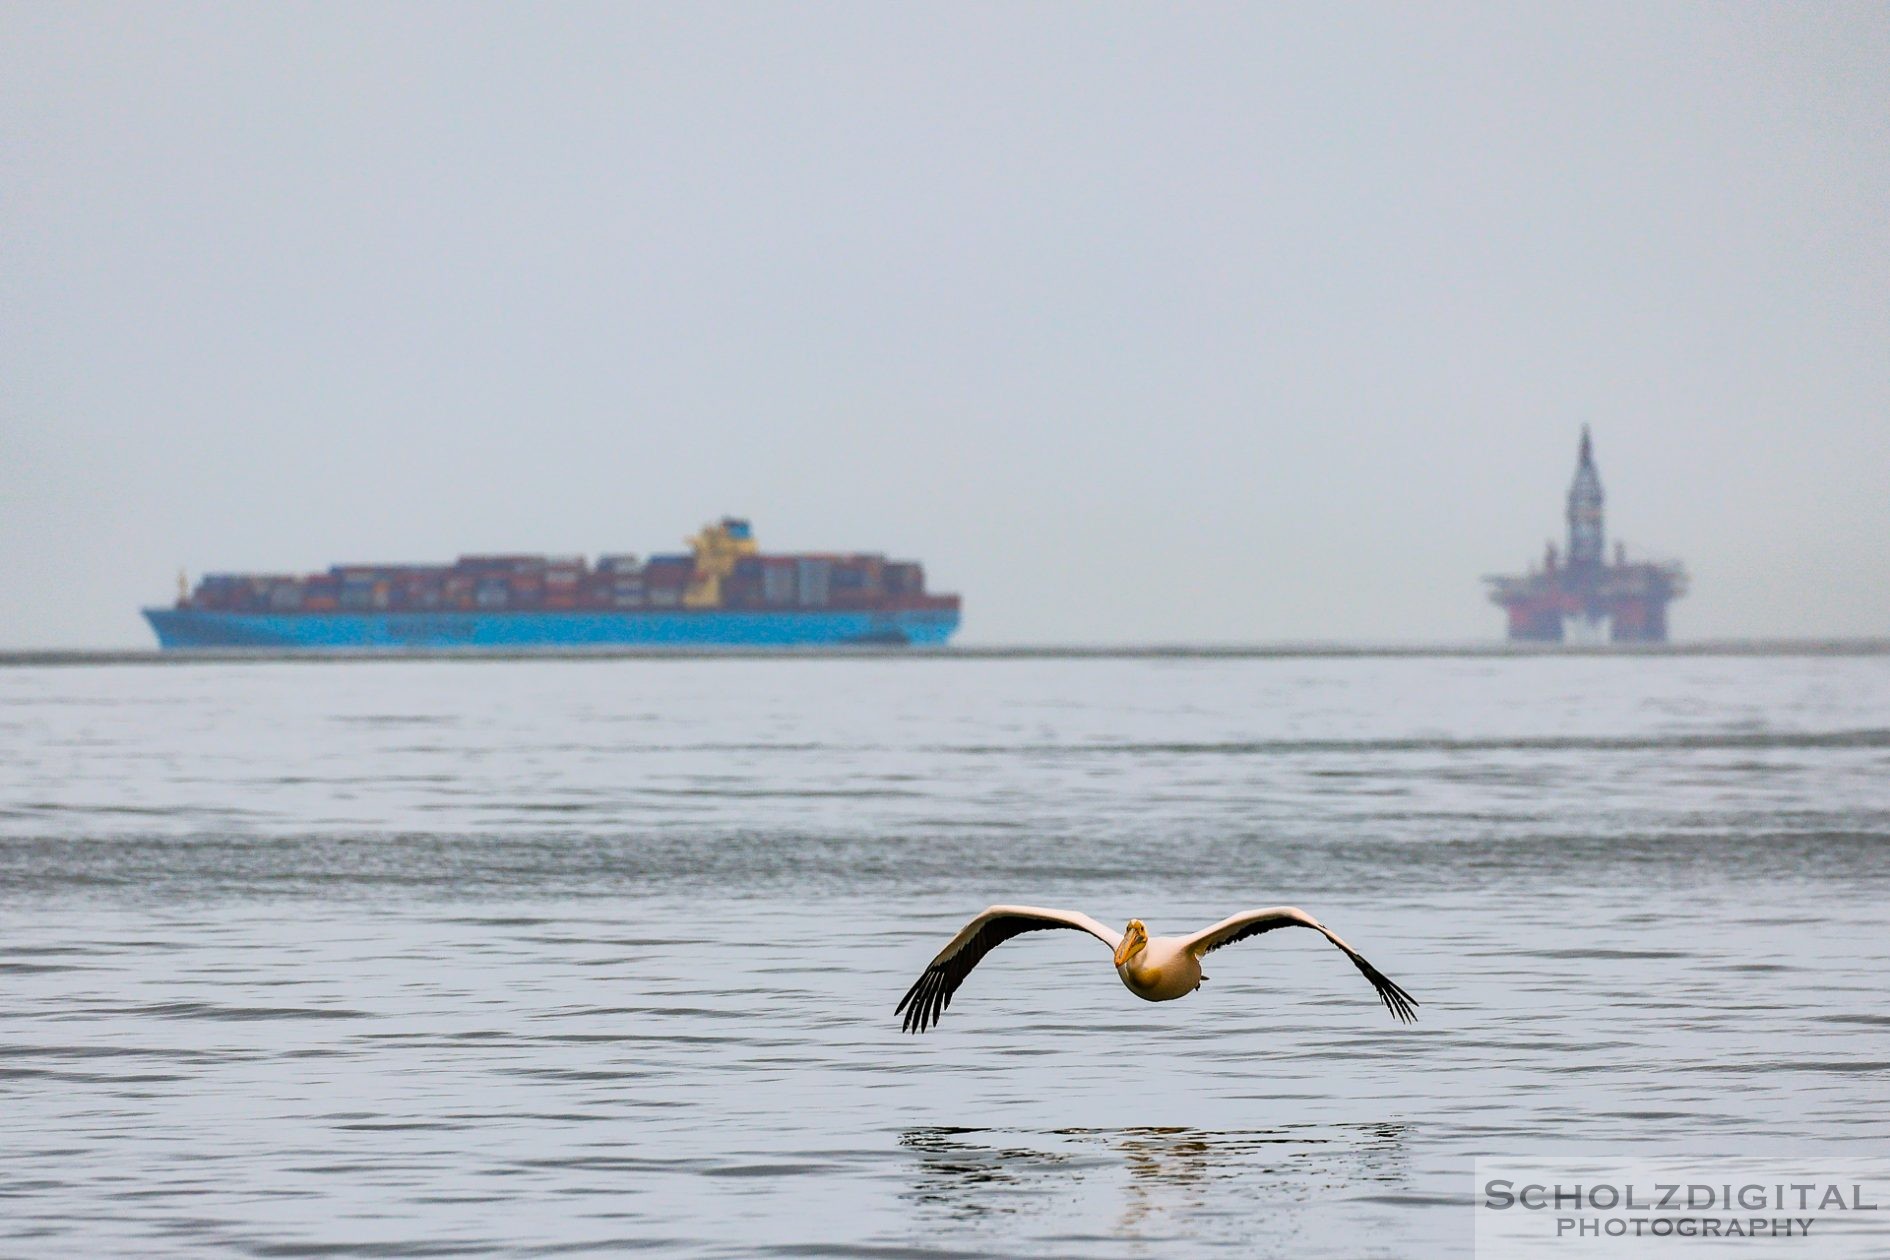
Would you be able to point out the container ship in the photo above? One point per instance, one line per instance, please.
(724, 592)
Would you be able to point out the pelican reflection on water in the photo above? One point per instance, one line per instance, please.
(1155, 969)
(1140, 1175)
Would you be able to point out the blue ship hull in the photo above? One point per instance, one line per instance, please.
(193, 628)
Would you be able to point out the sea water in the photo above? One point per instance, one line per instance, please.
(547, 958)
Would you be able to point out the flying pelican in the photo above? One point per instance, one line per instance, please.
(1155, 969)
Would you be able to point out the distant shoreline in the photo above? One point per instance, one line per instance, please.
(1274, 651)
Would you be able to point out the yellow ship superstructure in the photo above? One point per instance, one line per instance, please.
(716, 549)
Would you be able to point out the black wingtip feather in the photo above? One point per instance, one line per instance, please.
(928, 996)
(1402, 1005)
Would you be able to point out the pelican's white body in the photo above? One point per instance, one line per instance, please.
(1162, 970)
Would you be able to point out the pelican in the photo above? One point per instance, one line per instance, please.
(1155, 969)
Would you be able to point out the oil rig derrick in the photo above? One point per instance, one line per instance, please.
(1577, 596)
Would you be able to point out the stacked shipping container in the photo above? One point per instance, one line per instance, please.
(528, 583)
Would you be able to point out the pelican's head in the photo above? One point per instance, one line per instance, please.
(1134, 937)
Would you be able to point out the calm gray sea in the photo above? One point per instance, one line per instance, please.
(560, 957)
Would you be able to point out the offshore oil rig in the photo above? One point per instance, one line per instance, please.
(1576, 598)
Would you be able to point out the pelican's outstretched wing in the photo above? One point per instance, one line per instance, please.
(1254, 922)
(932, 992)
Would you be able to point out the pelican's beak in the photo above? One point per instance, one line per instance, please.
(1132, 940)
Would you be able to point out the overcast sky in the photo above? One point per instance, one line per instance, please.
(1134, 322)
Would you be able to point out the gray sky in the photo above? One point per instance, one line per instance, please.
(1133, 322)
